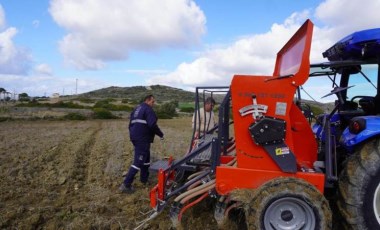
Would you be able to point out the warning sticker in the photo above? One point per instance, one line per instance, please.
(282, 151)
(281, 108)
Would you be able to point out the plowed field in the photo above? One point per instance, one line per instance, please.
(66, 174)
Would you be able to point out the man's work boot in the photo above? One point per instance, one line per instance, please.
(126, 189)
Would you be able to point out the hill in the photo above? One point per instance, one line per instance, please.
(163, 94)
(137, 93)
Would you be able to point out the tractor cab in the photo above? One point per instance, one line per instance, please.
(354, 88)
(354, 75)
(348, 132)
(351, 108)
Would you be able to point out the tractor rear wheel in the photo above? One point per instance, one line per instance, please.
(288, 203)
(359, 188)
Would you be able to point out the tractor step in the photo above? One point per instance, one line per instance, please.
(161, 164)
(203, 158)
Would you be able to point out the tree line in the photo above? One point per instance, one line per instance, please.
(6, 96)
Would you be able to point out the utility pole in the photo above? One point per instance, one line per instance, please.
(76, 86)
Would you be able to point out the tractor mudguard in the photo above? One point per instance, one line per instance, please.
(372, 128)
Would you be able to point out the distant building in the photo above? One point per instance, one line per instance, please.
(54, 98)
(55, 95)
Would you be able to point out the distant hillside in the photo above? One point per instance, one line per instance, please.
(162, 94)
(137, 93)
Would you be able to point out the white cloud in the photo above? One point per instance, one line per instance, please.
(24, 84)
(108, 30)
(40, 85)
(99, 31)
(347, 16)
(255, 54)
(2, 17)
(13, 60)
(146, 72)
(43, 69)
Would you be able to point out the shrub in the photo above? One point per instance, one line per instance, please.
(75, 116)
(2, 119)
(120, 108)
(161, 115)
(108, 106)
(24, 99)
(101, 113)
(102, 104)
(59, 104)
(86, 100)
(69, 104)
(110, 99)
(166, 110)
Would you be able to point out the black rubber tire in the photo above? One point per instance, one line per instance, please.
(293, 189)
(357, 185)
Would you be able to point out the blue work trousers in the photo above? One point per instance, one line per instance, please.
(141, 162)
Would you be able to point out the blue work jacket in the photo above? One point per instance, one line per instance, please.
(143, 124)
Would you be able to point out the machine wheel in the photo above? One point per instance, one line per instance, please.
(288, 203)
(359, 188)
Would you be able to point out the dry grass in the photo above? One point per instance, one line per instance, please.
(177, 133)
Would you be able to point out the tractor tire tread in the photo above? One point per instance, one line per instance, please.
(363, 164)
(284, 186)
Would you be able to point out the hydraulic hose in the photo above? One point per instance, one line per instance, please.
(194, 185)
(196, 193)
(180, 197)
(194, 175)
(231, 148)
(190, 205)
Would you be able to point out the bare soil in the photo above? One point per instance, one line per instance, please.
(66, 174)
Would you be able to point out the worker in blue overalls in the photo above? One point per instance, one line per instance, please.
(142, 129)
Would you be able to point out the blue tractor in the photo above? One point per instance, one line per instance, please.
(348, 135)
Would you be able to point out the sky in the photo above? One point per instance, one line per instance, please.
(71, 47)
